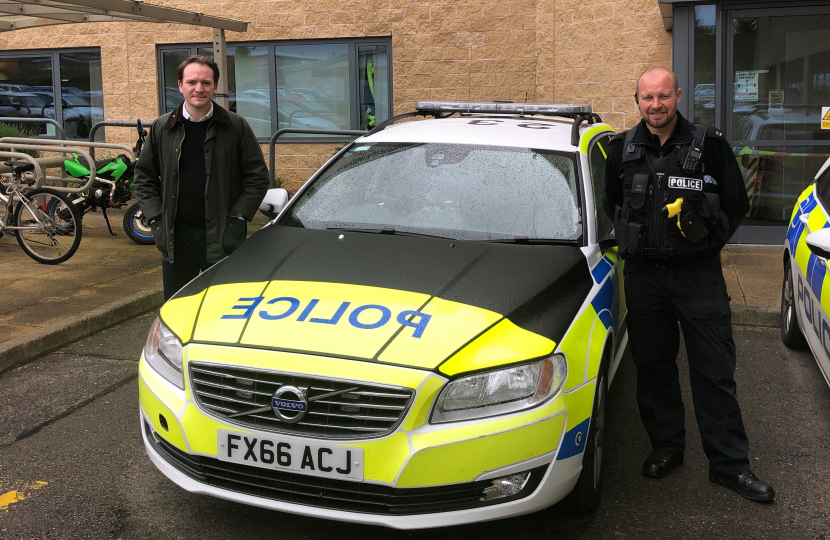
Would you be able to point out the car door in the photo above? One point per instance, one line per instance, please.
(596, 152)
(809, 265)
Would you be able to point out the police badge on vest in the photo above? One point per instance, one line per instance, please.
(669, 210)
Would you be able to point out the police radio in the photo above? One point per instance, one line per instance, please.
(693, 157)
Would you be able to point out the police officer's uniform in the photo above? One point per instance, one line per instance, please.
(673, 274)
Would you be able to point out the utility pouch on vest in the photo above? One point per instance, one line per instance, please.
(629, 235)
(692, 227)
(639, 190)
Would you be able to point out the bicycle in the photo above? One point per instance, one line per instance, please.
(46, 223)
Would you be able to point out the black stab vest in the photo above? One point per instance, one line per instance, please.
(649, 184)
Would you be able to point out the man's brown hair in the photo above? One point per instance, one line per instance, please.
(199, 59)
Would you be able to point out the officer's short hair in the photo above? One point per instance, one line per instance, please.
(656, 68)
(199, 59)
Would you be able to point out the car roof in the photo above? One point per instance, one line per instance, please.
(538, 132)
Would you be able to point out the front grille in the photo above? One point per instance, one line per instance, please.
(328, 493)
(365, 411)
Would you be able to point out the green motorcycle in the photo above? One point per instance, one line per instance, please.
(113, 188)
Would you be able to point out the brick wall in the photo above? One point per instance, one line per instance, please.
(569, 51)
(601, 48)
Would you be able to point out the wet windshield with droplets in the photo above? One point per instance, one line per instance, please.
(466, 192)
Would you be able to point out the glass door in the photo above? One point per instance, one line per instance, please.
(778, 92)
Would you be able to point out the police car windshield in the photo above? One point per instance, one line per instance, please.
(465, 192)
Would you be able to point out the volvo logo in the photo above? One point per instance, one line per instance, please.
(289, 404)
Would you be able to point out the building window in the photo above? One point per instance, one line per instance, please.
(342, 84)
(30, 80)
(761, 72)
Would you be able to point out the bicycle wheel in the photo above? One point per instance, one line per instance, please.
(48, 239)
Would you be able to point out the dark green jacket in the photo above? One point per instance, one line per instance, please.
(237, 180)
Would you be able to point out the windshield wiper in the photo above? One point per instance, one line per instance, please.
(381, 230)
(535, 241)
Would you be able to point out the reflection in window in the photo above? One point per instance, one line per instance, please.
(704, 65)
(247, 78)
(319, 85)
(313, 86)
(248, 87)
(781, 70)
(373, 74)
(82, 96)
(170, 61)
(27, 90)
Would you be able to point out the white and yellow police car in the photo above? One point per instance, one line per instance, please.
(424, 336)
(805, 301)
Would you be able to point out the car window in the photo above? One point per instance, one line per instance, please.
(466, 192)
(596, 157)
(743, 130)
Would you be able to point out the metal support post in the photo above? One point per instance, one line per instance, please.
(220, 56)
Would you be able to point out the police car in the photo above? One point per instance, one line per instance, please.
(424, 336)
(805, 301)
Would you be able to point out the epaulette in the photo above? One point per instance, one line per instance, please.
(714, 133)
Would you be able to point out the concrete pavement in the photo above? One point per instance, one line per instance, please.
(111, 279)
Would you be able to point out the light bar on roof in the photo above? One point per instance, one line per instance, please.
(549, 109)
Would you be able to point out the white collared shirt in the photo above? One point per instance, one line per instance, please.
(203, 119)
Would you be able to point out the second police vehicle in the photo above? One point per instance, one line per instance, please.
(424, 336)
(805, 293)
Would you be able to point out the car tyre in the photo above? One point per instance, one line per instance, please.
(135, 225)
(791, 333)
(587, 493)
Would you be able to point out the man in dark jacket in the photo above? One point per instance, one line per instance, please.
(675, 193)
(199, 178)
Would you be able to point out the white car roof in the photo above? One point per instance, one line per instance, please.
(546, 133)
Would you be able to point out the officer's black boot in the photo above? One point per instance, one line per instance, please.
(661, 462)
(747, 485)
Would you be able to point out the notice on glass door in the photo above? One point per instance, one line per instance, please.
(746, 85)
(776, 102)
(825, 118)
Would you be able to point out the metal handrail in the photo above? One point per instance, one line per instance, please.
(113, 123)
(25, 120)
(272, 145)
(63, 150)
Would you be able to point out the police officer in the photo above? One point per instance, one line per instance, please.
(676, 194)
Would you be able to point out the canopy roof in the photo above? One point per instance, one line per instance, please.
(17, 14)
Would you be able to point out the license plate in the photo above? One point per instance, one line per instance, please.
(326, 460)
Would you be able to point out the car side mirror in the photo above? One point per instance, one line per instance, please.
(274, 202)
(819, 243)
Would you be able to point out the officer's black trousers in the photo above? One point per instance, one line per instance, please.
(693, 293)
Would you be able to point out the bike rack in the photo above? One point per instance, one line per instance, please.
(63, 179)
(42, 146)
(272, 145)
(113, 123)
(26, 120)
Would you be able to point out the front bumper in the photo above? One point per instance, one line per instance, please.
(419, 476)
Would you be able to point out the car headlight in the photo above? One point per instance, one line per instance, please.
(501, 392)
(163, 351)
